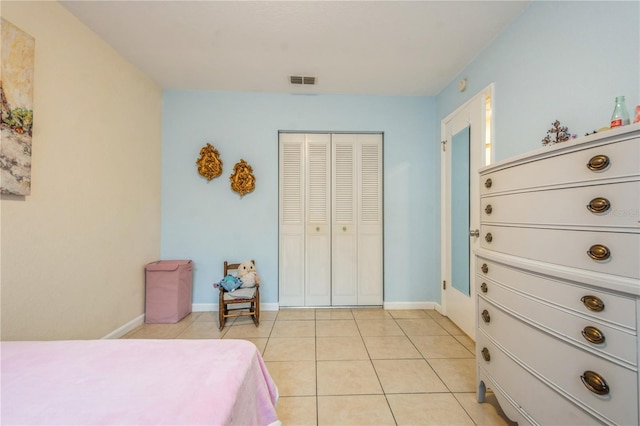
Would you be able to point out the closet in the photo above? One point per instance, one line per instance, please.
(330, 219)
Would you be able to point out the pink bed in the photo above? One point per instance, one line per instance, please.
(136, 382)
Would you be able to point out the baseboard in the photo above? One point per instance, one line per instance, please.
(131, 325)
(410, 305)
(212, 307)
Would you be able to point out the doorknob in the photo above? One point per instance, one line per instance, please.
(474, 232)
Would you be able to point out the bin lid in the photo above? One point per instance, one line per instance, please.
(168, 265)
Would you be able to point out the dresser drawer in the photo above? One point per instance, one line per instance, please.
(566, 168)
(563, 365)
(617, 309)
(579, 206)
(582, 331)
(505, 377)
(567, 247)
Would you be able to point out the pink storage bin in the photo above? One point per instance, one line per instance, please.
(168, 291)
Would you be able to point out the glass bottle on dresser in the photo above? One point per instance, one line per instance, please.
(620, 115)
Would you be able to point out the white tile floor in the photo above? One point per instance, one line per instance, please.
(356, 366)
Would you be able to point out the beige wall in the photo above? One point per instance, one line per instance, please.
(73, 252)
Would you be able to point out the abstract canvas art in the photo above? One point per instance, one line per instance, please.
(16, 121)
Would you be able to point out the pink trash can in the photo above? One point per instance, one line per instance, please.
(168, 291)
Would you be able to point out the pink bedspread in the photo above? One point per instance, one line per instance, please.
(135, 382)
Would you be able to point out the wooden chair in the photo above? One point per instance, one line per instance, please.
(243, 307)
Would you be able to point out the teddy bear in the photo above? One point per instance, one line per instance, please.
(247, 273)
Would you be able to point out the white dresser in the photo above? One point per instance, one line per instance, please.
(558, 282)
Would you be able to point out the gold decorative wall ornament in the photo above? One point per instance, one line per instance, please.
(242, 180)
(209, 163)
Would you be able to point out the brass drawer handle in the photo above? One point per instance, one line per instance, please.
(486, 354)
(484, 287)
(593, 303)
(593, 335)
(598, 205)
(598, 163)
(599, 252)
(488, 238)
(595, 382)
(486, 317)
(488, 183)
(485, 268)
(488, 209)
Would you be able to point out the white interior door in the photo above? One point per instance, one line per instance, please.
(464, 137)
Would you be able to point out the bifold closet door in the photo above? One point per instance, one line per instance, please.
(330, 245)
(305, 233)
(356, 258)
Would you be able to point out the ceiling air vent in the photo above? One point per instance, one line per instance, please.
(298, 79)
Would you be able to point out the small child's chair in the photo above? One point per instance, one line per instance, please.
(249, 305)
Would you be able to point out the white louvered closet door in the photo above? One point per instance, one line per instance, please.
(291, 248)
(330, 219)
(357, 220)
(318, 216)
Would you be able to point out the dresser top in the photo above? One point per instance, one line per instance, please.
(609, 136)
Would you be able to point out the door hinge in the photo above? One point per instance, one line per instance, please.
(444, 145)
(444, 285)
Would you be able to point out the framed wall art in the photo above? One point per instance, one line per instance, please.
(16, 120)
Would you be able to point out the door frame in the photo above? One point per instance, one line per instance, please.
(459, 307)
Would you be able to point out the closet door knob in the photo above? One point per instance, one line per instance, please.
(344, 229)
(484, 268)
(474, 232)
(486, 354)
(488, 183)
(593, 303)
(598, 163)
(599, 252)
(484, 287)
(317, 229)
(595, 382)
(593, 335)
(488, 209)
(488, 238)
(598, 205)
(486, 317)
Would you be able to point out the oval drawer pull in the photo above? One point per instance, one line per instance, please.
(598, 163)
(486, 317)
(488, 183)
(488, 238)
(599, 252)
(593, 335)
(486, 354)
(593, 303)
(488, 209)
(595, 382)
(598, 205)
(485, 268)
(484, 287)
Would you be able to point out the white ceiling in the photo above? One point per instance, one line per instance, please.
(352, 47)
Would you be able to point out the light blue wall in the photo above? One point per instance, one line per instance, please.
(558, 60)
(208, 223)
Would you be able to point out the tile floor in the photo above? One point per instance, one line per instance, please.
(356, 366)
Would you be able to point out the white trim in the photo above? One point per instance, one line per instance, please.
(409, 305)
(121, 331)
(213, 307)
(204, 307)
